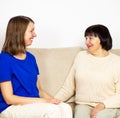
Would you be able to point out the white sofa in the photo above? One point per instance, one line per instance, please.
(54, 65)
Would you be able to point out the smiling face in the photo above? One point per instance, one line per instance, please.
(93, 44)
(29, 34)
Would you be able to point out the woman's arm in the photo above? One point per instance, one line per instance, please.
(42, 92)
(46, 95)
(10, 98)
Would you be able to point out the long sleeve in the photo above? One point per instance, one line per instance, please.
(114, 101)
(68, 88)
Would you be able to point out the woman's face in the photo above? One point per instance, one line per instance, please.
(29, 34)
(93, 44)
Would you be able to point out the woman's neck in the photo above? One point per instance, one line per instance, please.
(100, 53)
(20, 56)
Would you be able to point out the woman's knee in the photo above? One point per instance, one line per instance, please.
(66, 110)
(107, 113)
(82, 111)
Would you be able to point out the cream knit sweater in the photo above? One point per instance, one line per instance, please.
(93, 80)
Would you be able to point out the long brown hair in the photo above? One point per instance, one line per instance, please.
(14, 40)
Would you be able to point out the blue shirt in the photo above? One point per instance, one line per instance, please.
(22, 74)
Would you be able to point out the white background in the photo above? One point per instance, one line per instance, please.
(61, 23)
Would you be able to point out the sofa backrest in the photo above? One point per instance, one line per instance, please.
(116, 51)
(54, 65)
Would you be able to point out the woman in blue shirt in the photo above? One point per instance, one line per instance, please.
(21, 95)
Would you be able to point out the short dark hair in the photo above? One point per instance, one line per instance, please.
(14, 40)
(102, 32)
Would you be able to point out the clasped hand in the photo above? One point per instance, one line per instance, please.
(95, 110)
(53, 100)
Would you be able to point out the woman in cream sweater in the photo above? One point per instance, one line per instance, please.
(94, 77)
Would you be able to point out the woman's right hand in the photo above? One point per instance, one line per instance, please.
(53, 100)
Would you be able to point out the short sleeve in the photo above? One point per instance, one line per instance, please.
(5, 71)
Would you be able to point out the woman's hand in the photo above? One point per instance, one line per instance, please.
(53, 100)
(95, 110)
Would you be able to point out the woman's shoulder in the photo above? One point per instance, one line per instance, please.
(82, 53)
(30, 55)
(115, 56)
(4, 56)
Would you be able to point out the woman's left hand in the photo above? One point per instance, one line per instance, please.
(54, 101)
(95, 110)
